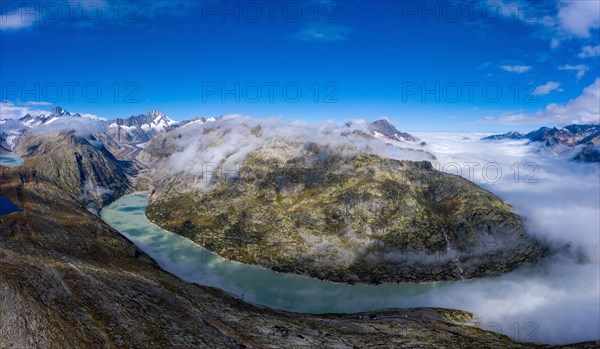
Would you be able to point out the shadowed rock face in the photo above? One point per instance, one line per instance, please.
(589, 153)
(68, 280)
(349, 219)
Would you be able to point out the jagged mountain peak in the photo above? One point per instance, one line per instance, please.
(156, 113)
(139, 128)
(59, 111)
(152, 117)
(385, 128)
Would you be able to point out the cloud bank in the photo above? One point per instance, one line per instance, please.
(227, 141)
(584, 109)
(559, 200)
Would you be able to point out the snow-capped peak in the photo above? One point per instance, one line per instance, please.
(144, 125)
(43, 119)
(58, 111)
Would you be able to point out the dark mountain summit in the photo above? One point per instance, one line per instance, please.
(388, 130)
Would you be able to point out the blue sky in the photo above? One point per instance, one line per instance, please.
(439, 66)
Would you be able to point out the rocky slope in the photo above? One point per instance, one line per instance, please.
(69, 280)
(384, 128)
(328, 212)
(82, 167)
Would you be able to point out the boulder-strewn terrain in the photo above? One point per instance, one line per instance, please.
(68, 280)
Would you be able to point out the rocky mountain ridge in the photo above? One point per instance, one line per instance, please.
(585, 136)
(77, 165)
(139, 128)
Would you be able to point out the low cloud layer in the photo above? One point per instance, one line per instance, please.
(82, 126)
(10, 110)
(559, 200)
(227, 141)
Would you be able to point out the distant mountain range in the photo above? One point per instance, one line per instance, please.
(55, 114)
(139, 128)
(119, 135)
(125, 137)
(12, 129)
(587, 136)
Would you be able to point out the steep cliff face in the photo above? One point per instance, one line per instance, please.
(360, 218)
(69, 280)
(81, 167)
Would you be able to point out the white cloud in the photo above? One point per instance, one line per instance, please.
(322, 32)
(558, 21)
(230, 139)
(590, 51)
(584, 109)
(546, 88)
(37, 103)
(82, 126)
(561, 208)
(32, 12)
(519, 69)
(18, 19)
(580, 69)
(9, 110)
(578, 18)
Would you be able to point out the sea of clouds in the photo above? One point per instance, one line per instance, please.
(559, 300)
